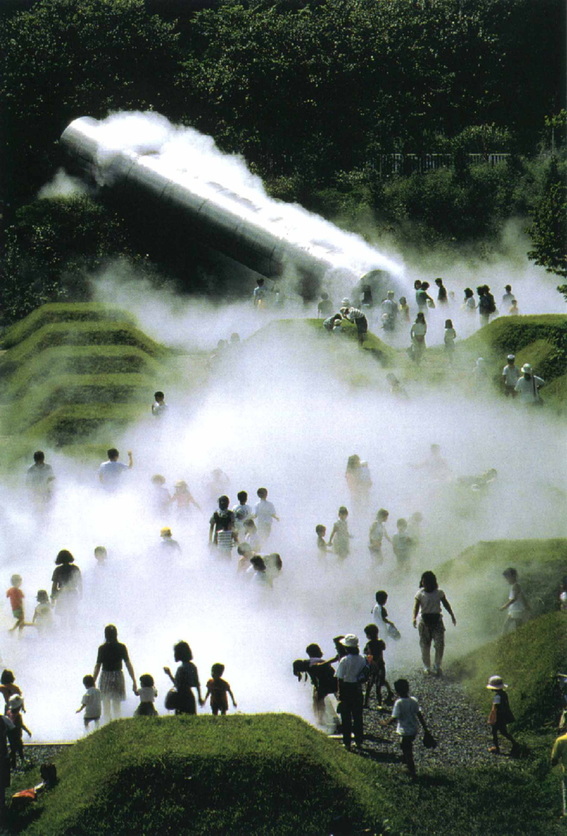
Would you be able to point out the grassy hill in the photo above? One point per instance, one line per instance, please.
(69, 370)
(270, 775)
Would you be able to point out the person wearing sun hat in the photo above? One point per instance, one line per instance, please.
(528, 386)
(510, 376)
(500, 715)
(350, 675)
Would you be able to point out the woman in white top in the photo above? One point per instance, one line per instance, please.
(428, 601)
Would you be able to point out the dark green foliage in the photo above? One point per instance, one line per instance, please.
(70, 424)
(52, 249)
(520, 335)
(68, 58)
(549, 228)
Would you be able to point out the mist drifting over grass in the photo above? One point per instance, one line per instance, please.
(284, 410)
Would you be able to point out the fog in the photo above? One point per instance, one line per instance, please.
(283, 409)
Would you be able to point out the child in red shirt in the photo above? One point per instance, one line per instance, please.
(218, 689)
(16, 597)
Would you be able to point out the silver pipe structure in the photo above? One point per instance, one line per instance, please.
(236, 225)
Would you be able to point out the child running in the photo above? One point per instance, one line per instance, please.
(91, 702)
(16, 597)
(378, 533)
(217, 689)
(402, 544)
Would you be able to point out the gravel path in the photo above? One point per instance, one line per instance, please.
(462, 733)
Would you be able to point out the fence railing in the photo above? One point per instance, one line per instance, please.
(411, 163)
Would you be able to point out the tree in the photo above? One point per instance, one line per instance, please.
(69, 58)
(549, 228)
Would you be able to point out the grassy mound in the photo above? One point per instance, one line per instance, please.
(540, 565)
(528, 660)
(272, 775)
(59, 312)
(71, 369)
(540, 340)
(268, 774)
(64, 426)
(80, 334)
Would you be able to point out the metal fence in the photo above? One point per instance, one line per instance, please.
(411, 163)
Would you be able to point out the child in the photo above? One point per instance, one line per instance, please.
(414, 527)
(16, 597)
(221, 519)
(377, 533)
(242, 511)
(407, 713)
(15, 706)
(159, 406)
(380, 615)
(147, 693)
(217, 689)
(449, 337)
(264, 512)
(322, 676)
(91, 702)
(340, 535)
(100, 555)
(8, 687)
(43, 615)
(245, 553)
(374, 652)
(402, 544)
(183, 499)
(322, 547)
(500, 715)
(404, 309)
(251, 535)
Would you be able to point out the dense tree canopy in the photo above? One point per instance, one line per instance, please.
(312, 92)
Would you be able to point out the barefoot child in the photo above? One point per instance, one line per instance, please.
(217, 689)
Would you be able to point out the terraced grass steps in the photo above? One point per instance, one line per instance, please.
(70, 369)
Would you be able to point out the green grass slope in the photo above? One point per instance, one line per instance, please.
(538, 339)
(528, 660)
(540, 564)
(71, 370)
(271, 775)
(59, 312)
(266, 774)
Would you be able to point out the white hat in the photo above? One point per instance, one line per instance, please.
(345, 303)
(495, 683)
(511, 357)
(15, 702)
(350, 640)
(526, 368)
